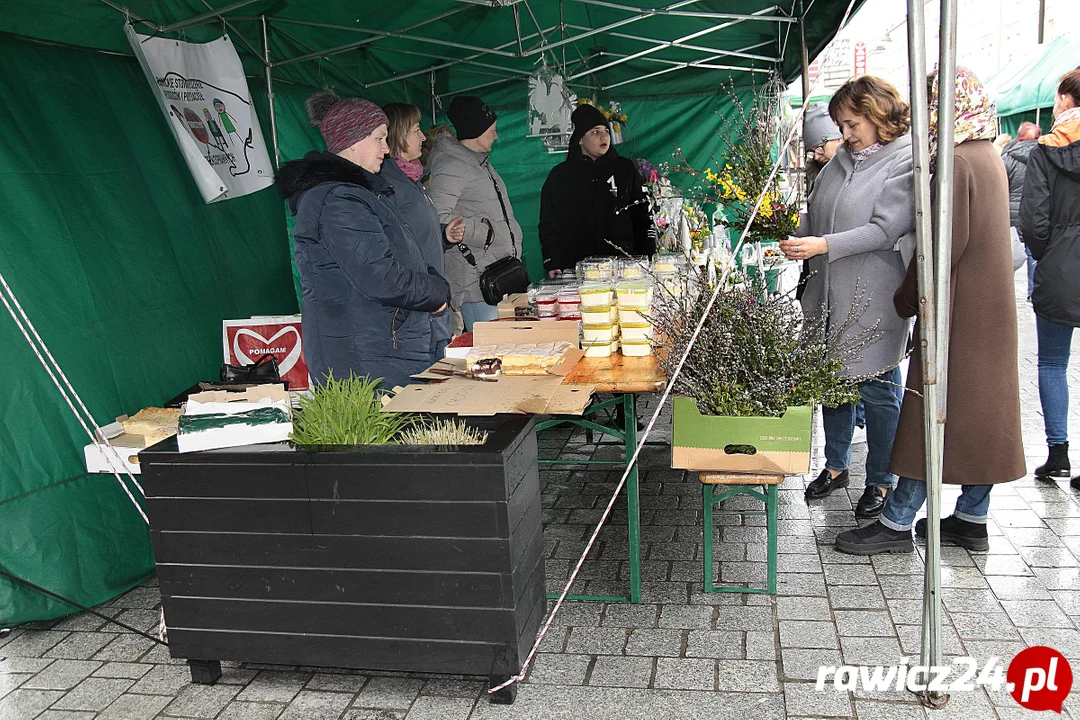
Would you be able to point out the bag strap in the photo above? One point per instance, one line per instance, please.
(502, 205)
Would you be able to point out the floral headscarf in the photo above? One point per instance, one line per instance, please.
(976, 115)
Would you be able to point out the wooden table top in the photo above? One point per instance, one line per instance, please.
(619, 374)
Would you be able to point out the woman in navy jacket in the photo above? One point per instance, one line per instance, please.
(367, 292)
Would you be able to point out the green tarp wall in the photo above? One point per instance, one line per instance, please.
(128, 274)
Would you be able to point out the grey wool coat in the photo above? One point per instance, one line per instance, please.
(863, 213)
(463, 183)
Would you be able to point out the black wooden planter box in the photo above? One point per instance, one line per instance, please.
(372, 557)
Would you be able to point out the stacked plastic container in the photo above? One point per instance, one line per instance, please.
(599, 316)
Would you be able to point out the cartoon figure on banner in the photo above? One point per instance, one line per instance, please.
(227, 123)
(219, 139)
(195, 125)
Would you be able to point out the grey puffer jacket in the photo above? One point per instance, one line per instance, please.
(463, 183)
(1015, 156)
(863, 213)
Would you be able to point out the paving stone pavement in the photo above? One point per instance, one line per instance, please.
(681, 654)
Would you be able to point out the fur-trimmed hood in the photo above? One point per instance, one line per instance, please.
(298, 176)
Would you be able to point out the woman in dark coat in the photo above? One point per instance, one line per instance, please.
(983, 444)
(1050, 227)
(403, 170)
(367, 291)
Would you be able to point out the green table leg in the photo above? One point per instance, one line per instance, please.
(707, 536)
(771, 531)
(633, 503)
(628, 436)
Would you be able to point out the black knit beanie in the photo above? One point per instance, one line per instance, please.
(585, 118)
(471, 116)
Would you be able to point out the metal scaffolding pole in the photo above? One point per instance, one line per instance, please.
(270, 91)
(934, 272)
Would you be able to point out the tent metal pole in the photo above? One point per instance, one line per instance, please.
(640, 15)
(433, 97)
(359, 83)
(659, 47)
(683, 66)
(132, 16)
(804, 58)
(684, 46)
(214, 13)
(517, 29)
(935, 281)
(687, 13)
(270, 91)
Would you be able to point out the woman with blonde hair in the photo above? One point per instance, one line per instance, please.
(402, 169)
(861, 207)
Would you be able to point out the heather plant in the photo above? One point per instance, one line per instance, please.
(756, 353)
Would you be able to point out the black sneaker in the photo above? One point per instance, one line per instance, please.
(1075, 483)
(825, 483)
(874, 539)
(966, 534)
(871, 503)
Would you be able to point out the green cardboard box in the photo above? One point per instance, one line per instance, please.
(741, 444)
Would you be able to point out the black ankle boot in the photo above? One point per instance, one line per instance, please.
(1057, 464)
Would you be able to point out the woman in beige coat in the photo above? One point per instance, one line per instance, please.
(982, 434)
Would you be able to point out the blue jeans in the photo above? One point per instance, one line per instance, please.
(909, 495)
(474, 312)
(1055, 341)
(860, 414)
(881, 398)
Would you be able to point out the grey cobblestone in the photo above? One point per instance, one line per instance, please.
(682, 653)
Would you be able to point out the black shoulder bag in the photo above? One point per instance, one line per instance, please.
(507, 275)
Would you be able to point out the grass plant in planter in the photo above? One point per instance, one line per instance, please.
(745, 395)
(348, 548)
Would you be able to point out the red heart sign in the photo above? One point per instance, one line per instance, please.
(247, 341)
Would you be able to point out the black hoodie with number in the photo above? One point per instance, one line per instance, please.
(586, 203)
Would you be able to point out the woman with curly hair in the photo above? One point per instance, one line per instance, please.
(861, 207)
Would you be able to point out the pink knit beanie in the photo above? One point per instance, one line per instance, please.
(343, 122)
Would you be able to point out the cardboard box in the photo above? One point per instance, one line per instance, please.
(509, 305)
(245, 341)
(530, 394)
(98, 456)
(504, 332)
(740, 444)
(233, 435)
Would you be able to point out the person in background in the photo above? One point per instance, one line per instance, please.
(1001, 141)
(594, 202)
(402, 169)
(463, 183)
(367, 291)
(861, 207)
(983, 442)
(1050, 226)
(1015, 156)
(821, 138)
(431, 135)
